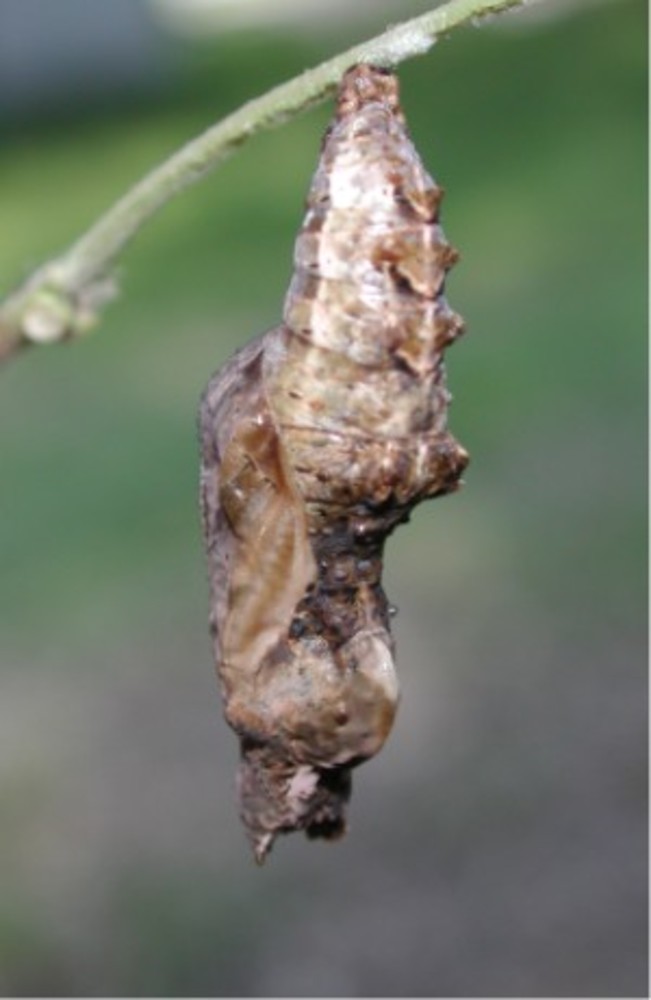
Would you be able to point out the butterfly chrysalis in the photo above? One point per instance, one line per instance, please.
(317, 440)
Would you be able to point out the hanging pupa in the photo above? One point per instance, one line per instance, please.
(317, 440)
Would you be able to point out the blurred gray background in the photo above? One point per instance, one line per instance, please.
(498, 844)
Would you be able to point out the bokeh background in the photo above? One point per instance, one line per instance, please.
(497, 846)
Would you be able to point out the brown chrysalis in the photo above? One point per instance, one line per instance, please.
(317, 440)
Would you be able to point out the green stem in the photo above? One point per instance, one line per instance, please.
(65, 295)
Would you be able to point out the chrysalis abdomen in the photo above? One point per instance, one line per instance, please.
(317, 440)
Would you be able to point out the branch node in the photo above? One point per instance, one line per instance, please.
(47, 318)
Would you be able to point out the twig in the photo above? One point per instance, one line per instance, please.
(64, 296)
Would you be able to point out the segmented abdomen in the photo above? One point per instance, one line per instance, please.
(360, 375)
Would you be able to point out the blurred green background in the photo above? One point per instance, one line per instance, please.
(498, 843)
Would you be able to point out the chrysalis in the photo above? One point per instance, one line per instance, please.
(317, 440)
